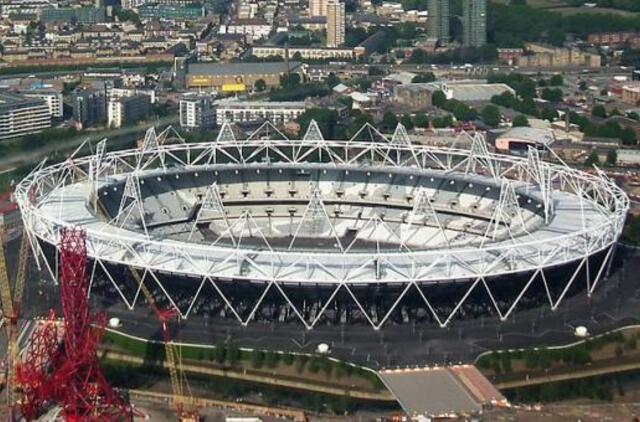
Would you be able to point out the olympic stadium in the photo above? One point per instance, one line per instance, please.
(374, 230)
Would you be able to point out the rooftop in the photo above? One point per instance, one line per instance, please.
(530, 134)
(221, 69)
(11, 101)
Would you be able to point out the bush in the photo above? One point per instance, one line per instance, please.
(257, 358)
(288, 359)
(272, 359)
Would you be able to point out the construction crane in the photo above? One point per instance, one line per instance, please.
(11, 311)
(182, 400)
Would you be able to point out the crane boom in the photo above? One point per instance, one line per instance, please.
(21, 275)
(10, 318)
(180, 401)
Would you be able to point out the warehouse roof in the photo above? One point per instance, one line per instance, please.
(530, 134)
(461, 90)
(222, 69)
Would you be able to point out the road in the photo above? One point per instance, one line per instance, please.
(569, 376)
(262, 378)
(35, 155)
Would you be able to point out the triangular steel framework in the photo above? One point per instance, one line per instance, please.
(226, 134)
(131, 206)
(541, 175)
(507, 213)
(479, 156)
(316, 216)
(373, 224)
(423, 213)
(266, 131)
(211, 208)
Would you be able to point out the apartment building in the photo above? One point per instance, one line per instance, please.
(335, 23)
(197, 111)
(255, 111)
(20, 115)
(127, 110)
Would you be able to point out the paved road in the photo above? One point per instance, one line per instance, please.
(37, 154)
(567, 376)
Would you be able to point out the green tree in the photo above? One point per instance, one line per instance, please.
(592, 159)
(325, 118)
(424, 77)
(332, 80)
(272, 359)
(520, 120)
(260, 85)
(420, 120)
(438, 98)
(490, 115)
(628, 136)
(556, 80)
(290, 80)
(599, 111)
(389, 120)
(553, 95)
(257, 358)
(407, 122)
(612, 157)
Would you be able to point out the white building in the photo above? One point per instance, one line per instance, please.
(197, 111)
(252, 28)
(255, 111)
(115, 93)
(127, 110)
(52, 98)
(308, 52)
(21, 116)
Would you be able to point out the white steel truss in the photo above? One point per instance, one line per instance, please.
(596, 204)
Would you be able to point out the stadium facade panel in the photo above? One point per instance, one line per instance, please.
(372, 229)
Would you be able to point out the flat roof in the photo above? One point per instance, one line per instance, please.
(11, 101)
(222, 69)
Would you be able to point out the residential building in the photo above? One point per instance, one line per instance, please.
(197, 111)
(254, 111)
(549, 56)
(318, 7)
(474, 23)
(254, 29)
(89, 106)
(170, 12)
(127, 110)
(438, 23)
(81, 15)
(230, 77)
(631, 94)
(307, 52)
(335, 23)
(49, 94)
(20, 115)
